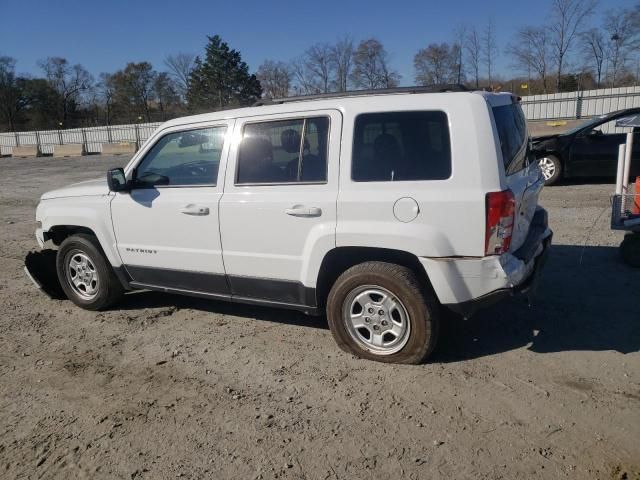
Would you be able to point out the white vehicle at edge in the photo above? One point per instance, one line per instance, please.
(378, 208)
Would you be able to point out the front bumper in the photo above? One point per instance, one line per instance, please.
(40, 267)
(466, 285)
(40, 237)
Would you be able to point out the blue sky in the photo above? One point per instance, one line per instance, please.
(104, 35)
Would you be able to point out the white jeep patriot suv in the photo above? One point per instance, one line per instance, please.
(378, 208)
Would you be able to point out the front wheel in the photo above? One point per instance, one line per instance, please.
(379, 311)
(551, 169)
(85, 274)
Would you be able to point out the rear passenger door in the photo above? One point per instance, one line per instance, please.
(278, 211)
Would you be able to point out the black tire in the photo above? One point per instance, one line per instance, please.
(109, 288)
(557, 169)
(419, 303)
(630, 249)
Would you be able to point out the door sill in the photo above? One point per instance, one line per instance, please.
(228, 298)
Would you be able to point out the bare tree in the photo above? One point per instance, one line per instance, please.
(275, 78)
(165, 92)
(134, 88)
(68, 81)
(459, 39)
(566, 19)
(303, 81)
(341, 59)
(436, 64)
(473, 47)
(390, 77)
(180, 67)
(318, 61)
(106, 93)
(621, 35)
(530, 51)
(594, 49)
(371, 66)
(13, 95)
(489, 50)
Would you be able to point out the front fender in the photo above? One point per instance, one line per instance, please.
(92, 213)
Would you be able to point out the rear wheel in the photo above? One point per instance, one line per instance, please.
(85, 274)
(630, 249)
(379, 311)
(551, 169)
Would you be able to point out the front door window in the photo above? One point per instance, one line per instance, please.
(191, 157)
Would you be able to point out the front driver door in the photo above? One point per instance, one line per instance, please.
(166, 227)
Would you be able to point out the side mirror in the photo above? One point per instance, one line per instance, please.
(594, 133)
(116, 180)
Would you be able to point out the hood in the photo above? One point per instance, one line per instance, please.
(545, 143)
(542, 138)
(89, 188)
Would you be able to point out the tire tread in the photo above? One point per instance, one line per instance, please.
(114, 290)
(419, 297)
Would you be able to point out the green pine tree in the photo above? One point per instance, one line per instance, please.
(222, 80)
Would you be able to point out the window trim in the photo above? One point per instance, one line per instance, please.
(447, 123)
(284, 119)
(134, 168)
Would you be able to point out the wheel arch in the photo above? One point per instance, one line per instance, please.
(58, 233)
(339, 259)
(558, 155)
(561, 158)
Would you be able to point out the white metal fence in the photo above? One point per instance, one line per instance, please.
(581, 104)
(556, 106)
(92, 138)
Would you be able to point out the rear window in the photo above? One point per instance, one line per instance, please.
(512, 131)
(401, 146)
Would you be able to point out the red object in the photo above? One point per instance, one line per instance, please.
(635, 209)
(501, 207)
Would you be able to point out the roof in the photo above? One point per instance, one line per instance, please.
(329, 101)
(443, 88)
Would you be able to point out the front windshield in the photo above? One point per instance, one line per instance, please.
(587, 124)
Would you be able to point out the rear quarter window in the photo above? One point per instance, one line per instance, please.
(401, 146)
(512, 133)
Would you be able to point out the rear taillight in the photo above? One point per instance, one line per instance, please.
(501, 207)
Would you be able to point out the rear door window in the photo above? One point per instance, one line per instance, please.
(401, 146)
(284, 151)
(512, 132)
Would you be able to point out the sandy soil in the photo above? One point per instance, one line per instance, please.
(169, 386)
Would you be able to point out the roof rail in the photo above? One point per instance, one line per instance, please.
(449, 87)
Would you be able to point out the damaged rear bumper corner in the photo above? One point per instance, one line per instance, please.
(527, 286)
(466, 285)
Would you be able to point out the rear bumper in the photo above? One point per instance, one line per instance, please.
(466, 285)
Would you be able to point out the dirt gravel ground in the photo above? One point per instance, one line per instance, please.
(174, 387)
